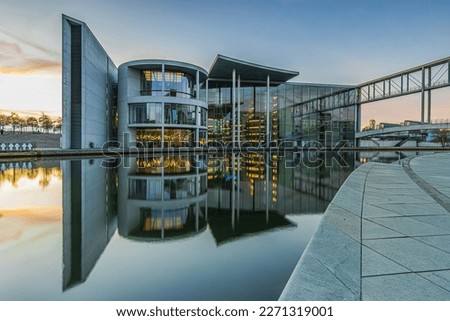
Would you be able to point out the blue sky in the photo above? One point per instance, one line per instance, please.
(340, 41)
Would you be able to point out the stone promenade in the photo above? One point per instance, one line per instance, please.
(385, 236)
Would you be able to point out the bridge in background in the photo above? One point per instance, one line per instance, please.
(399, 129)
(421, 79)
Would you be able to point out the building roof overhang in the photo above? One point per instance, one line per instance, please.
(222, 68)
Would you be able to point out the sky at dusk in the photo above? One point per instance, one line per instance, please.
(327, 41)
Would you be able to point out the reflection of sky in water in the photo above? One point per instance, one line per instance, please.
(218, 263)
(189, 269)
(30, 231)
(23, 187)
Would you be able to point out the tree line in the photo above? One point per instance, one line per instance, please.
(36, 124)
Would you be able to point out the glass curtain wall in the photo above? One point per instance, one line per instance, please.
(252, 113)
(283, 125)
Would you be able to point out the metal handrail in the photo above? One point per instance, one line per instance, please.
(149, 92)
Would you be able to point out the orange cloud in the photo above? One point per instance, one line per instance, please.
(14, 61)
(30, 65)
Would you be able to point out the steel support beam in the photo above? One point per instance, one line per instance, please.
(233, 109)
(239, 110)
(422, 98)
(268, 113)
(197, 110)
(207, 111)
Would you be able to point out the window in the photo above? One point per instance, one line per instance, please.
(145, 113)
(179, 114)
(179, 84)
(151, 82)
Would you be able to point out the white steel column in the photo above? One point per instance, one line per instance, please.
(162, 104)
(239, 110)
(233, 105)
(207, 112)
(197, 110)
(267, 113)
(266, 160)
(422, 98)
(233, 191)
(429, 97)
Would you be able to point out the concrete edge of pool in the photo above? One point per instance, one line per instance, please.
(118, 152)
(384, 236)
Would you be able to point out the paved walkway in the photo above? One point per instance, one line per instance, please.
(385, 236)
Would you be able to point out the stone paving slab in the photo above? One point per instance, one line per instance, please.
(411, 253)
(374, 264)
(373, 230)
(385, 236)
(409, 226)
(406, 287)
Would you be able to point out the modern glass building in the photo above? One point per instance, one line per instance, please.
(161, 104)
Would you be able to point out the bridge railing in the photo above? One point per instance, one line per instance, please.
(441, 121)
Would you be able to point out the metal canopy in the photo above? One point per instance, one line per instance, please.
(222, 68)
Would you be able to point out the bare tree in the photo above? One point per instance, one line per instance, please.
(32, 122)
(46, 122)
(443, 137)
(3, 120)
(58, 124)
(14, 121)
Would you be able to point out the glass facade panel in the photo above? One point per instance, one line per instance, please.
(151, 83)
(179, 188)
(149, 137)
(145, 113)
(168, 165)
(179, 84)
(179, 114)
(203, 117)
(202, 137)
(143, 189)
(172, 137)
(179, 137)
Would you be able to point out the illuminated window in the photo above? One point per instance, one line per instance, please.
(151, 82)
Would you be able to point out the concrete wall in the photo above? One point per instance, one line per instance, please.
(98, 74)
(88, 222)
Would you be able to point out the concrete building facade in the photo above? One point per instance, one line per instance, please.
(89, 77)
(160, 104)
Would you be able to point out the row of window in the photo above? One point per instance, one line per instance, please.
(167, 189)
(154, 137)
(152, 113)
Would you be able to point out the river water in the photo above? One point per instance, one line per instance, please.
(177, 227)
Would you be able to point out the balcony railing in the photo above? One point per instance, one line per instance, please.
(168, 93)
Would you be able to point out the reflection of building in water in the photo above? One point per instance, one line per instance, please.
(293, 185)
(243, 196)
(320, 174)
(161, 197)
(89, 219)
(160, 103)
(45, 171)
(251, 170)
(250, 223)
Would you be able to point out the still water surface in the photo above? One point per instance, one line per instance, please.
(161, 228)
